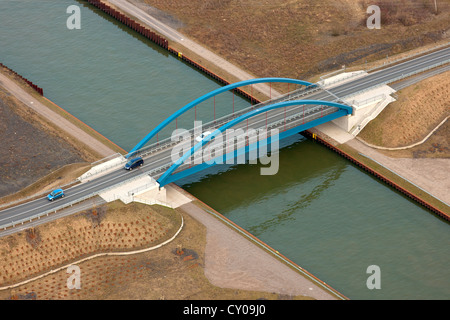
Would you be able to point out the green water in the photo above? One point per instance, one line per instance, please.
(319, 210)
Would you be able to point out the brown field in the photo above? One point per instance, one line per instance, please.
(173, 271)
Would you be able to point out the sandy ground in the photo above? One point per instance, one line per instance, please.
(232, 261)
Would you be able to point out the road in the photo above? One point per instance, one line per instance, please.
(163, 157)
(58, 120)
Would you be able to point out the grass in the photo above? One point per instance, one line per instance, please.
(417, 111)
(161, 274)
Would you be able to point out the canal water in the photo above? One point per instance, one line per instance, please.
(319, 210)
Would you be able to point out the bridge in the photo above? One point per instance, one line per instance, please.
(289, 114)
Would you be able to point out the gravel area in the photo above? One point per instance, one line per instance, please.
(233, 261)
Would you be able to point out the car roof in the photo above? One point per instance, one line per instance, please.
(57, 190)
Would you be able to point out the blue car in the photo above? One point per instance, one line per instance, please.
(134, 163)
(55, 194)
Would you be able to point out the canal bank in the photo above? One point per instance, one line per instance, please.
(128, 11)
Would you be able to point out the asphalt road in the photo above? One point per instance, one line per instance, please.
(33, 208)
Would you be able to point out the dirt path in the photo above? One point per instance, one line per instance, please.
(232, 261)
(55, 118)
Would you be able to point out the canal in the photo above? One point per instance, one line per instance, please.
(319, 210)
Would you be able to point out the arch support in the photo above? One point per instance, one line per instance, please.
(346, 110)
(211, 94)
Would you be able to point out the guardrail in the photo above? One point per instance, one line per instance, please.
(156, 171)
(403, 76)
(36, 196)
(289, 122)
(433, 73)
(44, 193)
(409, 56)
(169, 143)
(385, 64)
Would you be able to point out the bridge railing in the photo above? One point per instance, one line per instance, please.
(214, 124)
(288, 123)
(342, 79)
(35, 196)
(66, 185)
(211, 126)
(381, 96)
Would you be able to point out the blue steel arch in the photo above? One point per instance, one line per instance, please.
(210, 95)
(347, 110)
